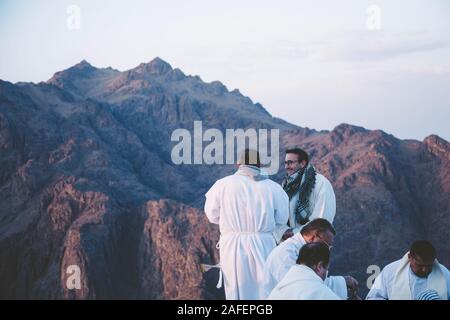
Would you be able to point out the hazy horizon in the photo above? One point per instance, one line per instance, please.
(315, 66)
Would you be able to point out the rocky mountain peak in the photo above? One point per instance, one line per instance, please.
(436, 145)
(155, 67)
(344, 131)
(83, 64)
(64, 79)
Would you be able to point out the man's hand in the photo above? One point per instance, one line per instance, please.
(351, 283)
(287, 234)
(352, 286)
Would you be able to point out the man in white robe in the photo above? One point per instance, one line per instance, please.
(311, 195)
(248, 207)
(283, 257)
(418, 272)
(304, 281)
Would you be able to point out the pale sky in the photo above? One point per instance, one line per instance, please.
(313, 63)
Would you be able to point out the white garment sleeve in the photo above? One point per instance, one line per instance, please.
(269, 281)
(337, 285)
(281, 214)
(447, 278)
(325, 202)
(279, 231)
(379, 289)
(275, 268)
(212, 204)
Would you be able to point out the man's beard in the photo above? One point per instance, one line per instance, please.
(421, 274)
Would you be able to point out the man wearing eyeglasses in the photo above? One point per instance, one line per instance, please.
(311, 195)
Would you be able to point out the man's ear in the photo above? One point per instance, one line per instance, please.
(319, 265)
(303, 163)
(410, 257)
(316, 267)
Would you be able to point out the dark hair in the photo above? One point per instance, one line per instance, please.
(301, 154)
(423, 249)
(318, 225)
(248, 158)
(312, 253)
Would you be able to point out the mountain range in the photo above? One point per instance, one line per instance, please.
(86, 179)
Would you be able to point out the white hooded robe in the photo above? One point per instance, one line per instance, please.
(302, 283)
(248, 207)
(283, 257)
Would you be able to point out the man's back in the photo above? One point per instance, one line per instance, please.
(247, 206)
(250, 206)
(302, 283)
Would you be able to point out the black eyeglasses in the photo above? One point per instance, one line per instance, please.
(290, 162)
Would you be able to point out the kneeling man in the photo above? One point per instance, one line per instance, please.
(304, 281)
